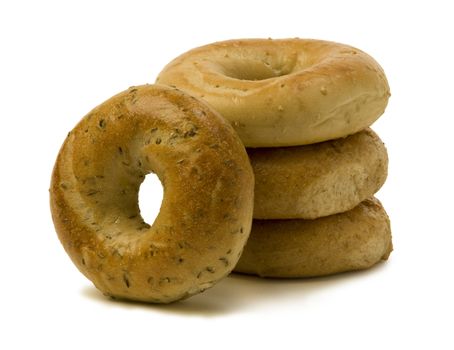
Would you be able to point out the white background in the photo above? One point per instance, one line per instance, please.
(60, 59)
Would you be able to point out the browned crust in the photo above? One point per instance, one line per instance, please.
(206, 212)
(354, 240)
(284, 92)
(308, 182)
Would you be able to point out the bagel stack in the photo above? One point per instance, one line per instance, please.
(314, 210)
(303, 109)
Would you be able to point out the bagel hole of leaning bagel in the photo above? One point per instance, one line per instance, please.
(150, 198)
(253, 70)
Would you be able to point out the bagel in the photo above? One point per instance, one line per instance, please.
(206, 212)
(284, 92)
(354, 240)
(322, 179)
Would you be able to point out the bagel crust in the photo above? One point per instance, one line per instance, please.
(284, 92)
(308, 182)
(206, 212)
(354, 240)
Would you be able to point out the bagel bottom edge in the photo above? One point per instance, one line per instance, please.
(296, 248)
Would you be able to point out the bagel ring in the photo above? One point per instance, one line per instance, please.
(284, 92)
(206, 212)
(354, 240)
(308, 182)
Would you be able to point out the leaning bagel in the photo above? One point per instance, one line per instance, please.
(354, 240)
(311, 181)
(284, 92)
(206, 212)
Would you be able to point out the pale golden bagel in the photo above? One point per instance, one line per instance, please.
(322, 179)
(206, 211)
(284, 92)
(354, 240)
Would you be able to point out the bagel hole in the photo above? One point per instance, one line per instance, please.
(253, 70)
(150, 198)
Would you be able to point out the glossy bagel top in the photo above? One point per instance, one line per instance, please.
(284, 92)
